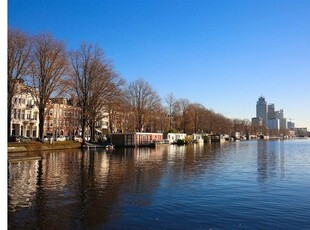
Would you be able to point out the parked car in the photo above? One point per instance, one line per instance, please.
(19, 138)
(61, 138)
(78, 138)
(47, 138)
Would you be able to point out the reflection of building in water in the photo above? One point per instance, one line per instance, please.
(22, 184)
(270, 160)
(74, 189)
(147, 154)
(55, 175)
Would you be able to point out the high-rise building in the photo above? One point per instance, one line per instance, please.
(280, 115)
(267, 116)
(257, 121)
(261, 109)
(271, 114)
(273, 124)
(290, 125)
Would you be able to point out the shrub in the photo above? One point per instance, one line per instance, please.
(180, 142)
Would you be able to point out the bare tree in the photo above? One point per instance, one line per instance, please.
(118, 113)
(142, 99)
(94, 82)
(171, 102)
(19, 51)
(195, 118)
(184, 103)
(49, 65)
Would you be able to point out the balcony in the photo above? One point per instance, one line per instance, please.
(33, 121)
(29, 106)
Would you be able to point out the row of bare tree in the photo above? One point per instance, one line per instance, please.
(49, 70)
(44, 64)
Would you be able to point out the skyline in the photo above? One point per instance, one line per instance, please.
(221, 54)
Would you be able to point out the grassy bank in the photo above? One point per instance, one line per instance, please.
(38, 146)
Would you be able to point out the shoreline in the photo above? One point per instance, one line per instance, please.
(38, 146)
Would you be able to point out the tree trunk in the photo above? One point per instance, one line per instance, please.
(9, 114)
(41, 123)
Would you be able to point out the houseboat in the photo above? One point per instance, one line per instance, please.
(135, 139)
(174, 137)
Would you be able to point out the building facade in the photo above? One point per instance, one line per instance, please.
(273, 123)
(62, 118)
(102, 126)
(290, 125)
(261, 109)
(25, 114)
(283, 121)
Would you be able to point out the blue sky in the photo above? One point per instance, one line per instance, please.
(222, 54)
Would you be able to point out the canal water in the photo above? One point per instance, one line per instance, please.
(236, 185)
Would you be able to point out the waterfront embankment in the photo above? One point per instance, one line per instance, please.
(38, 146)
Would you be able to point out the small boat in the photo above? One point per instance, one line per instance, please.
(109, 146)
(95, 146)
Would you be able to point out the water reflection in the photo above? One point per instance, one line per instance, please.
(98, 189)
(87, 184)
(270, 160)
(22, 182)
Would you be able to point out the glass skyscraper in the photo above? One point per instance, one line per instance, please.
(261, 109)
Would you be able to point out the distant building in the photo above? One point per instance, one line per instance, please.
(261, 109)
(280, 115)
(267, 116)
(271, 114)
(301, 132)
(290, 125)
(257, 121)
(273, 123)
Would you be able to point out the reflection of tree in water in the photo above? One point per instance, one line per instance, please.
(21, 189)
(143, 175)
(77, 190)
(186, 162)
(270, 160)
(134, 172)
(72, 190)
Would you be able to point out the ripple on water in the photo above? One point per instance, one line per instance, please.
(246, 185)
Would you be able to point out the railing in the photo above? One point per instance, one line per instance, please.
(20, 119)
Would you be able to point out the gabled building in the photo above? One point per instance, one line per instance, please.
(62, 118)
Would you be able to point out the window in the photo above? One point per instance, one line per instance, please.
(128, 139)
(23, 114)
(35, 116)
